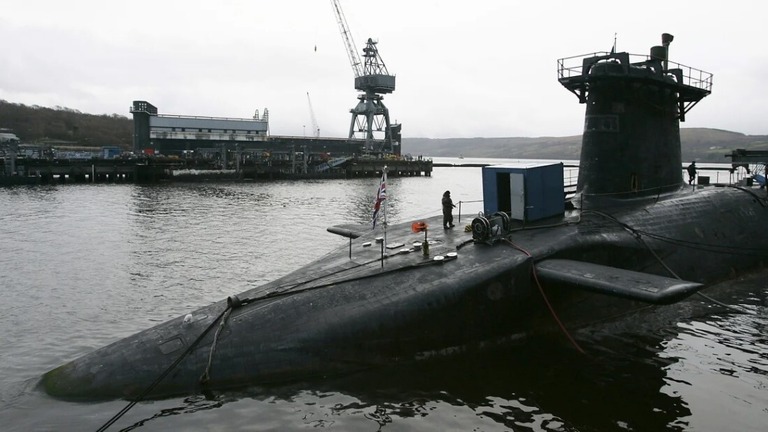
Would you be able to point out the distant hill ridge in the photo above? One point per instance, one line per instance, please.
(35, 124)
(700, 144)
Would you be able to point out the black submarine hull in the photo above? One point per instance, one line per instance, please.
(634, 236)
(325, 318)
(341, 314)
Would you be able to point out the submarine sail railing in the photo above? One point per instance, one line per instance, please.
(570, 67)
(573, 73)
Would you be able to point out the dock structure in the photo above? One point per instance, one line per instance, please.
(155, 169)
(740, 157)
(46, 171)
(179, 135)
(188, 148)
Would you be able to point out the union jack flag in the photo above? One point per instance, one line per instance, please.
(381, 195)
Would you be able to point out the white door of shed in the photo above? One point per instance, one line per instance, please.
(517, 196)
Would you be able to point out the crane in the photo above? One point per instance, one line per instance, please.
(349, 42)
(373, 80)
(315, 127)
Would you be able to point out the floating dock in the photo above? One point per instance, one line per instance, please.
(156, 169)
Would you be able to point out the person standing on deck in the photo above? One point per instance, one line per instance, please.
(691, 172)
(448, 210)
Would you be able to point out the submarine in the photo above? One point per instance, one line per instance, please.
(536, 262)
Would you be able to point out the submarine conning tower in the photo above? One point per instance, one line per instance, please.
(631, 141)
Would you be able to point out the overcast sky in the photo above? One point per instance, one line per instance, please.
(464, 69)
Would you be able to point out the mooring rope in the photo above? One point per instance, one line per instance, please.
(165, 373)
(701, 294)
(207, 374)
(233, 303)
(638, 235)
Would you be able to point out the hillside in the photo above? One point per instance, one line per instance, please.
(34, 124)
(700, 144)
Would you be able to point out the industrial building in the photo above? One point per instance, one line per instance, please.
(208, 137)
(370, 133)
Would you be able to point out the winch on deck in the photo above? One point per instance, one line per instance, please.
(492, 228)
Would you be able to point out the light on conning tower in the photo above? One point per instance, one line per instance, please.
(666, 39)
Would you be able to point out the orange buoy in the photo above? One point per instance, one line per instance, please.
(418, 227)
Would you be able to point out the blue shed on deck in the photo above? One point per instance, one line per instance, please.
(527, 191)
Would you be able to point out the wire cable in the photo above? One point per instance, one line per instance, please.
(206, 375)
(544, 296)
(708, 247)
(165, 373)
(639, 236)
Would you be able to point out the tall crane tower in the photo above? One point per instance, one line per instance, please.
(315, 127)
(373, 80)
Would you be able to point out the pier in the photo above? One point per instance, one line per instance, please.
(156, 169)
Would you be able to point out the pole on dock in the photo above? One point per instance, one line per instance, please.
(385, 169)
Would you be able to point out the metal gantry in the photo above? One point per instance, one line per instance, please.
(370, 116)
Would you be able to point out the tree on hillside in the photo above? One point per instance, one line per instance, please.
(35, 124)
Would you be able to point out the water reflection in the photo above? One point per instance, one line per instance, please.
(723, 357)
(546, 386)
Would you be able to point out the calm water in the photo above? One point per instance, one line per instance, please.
(84, 265)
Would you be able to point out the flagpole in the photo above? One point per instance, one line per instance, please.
(385, 169)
